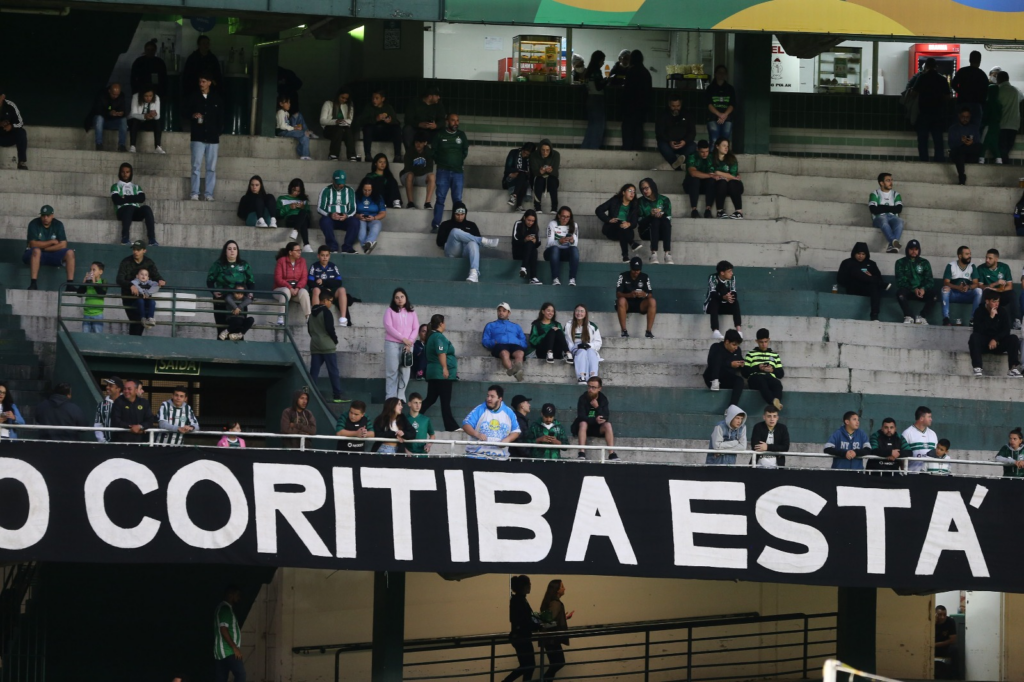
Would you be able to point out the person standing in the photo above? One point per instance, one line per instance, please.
(227, 639)
(675, 133)
(492, 424)
(915, 282)
(442, 371)
(336, 120)
(199, 62)
(401, 325)
(176, 418)
(58, 410)
(958, 284)
(12, 129)
(204, 109)
(932, 91)
(885, 205)
(593, 418)
(127, 271)
(886, 443)
(728, 434)
(991, 333)
(595, 83)
(637, 93)
(553, 611)
(110, 112)
(131, 411)
(971, 85)
(763, 370)
(1009, 122)
(721, 105)
(129, 205)
(770, 436)
(520, 615)
(633, 294)
(848, 443)
(112, 391)
(323, 344)
(450, 147)
(920, 438)
(149, 71)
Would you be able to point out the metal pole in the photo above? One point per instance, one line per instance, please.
(492, 660)
(805, 643)
(689, 654)
(647, 655)
(337, 665)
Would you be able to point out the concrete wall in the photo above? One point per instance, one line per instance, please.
(904, 636)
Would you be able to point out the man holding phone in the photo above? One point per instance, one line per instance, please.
(964, 143)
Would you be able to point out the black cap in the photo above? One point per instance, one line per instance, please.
(548, 410)
(519, 399)
(636, 263)
(114, 381)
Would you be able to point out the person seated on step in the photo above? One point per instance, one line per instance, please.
(145, 115)
(290, 122)
(294, 211)
(620, 216)
(886, 204)
(546, 431)
(337, 209)
(997, 277)
(770, 436)
(418, 171)
(674, 132)
(238, 319)
(991, 333)
(700, 179)
(506, 341)
(723, 298)
(593, 418)
(726, 174)
(383, 181)
(324, 276)
(547, 336)
(336, 120)
(424, 117)
(127, 271)
(724, 365)
(129, 205)
(655, 219)
(563, 244)
(887, 443)
(47, 245)
(964, 143)
(763, 370)
(109, 112)
(290, 278)
(860, 276)
(544, 169)
(380, 123)
(516, 177)
(728, 434)
(12, 129)
(370, 212)
(584, 341)
(525, 243)
(461, 237)
(633, 294)
(1011, 455)
(958, 284)
(848, 443)
(256, 207)
(914, 282)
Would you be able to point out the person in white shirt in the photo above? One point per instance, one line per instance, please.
(563, 245)
(920, 438)
(293, 125)
(145, 115)
(491, 422)
(336, 120)
(584, 340)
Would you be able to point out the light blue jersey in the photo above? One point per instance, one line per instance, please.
(495, 426)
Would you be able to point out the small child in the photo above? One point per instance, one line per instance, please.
(722, 298)
(325, 276)
(547, 431)
(1012, 455)
(146, 305)
(239, 321)
(419, 355)
(230, 439)
(420, 422)
(941, 451)
(94, 293)
(354, 425)
(293, 126)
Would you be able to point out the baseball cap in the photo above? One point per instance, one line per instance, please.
(520, 399)
(636, 263)
(46, 210)
(506, 306)
(548, 410)
(114, 381)
(339, 177)
(138, 245)
(460, 209)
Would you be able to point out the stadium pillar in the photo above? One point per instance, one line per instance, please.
(266, 114)
(388, 626)
(753, 80)
(855, 627)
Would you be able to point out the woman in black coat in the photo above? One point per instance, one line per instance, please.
(256, 207)
(636, 99)
(383, 181)
(391, 423)
(520, 615)
(525, 244)
(620, 216)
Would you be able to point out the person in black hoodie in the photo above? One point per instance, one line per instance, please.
(131, 411)
(859, 275)
(517, 174)
(383, 181)
(58, 410)
(991, 334)
(724, 361)
(256, 207)
(621, 215)
(460, 237)
(520, 615)
(109, 112)
(12, 129)
(204, 109)
(675, 133)
(636, 96)
(770, 436)
(887, 443)
(525, 244)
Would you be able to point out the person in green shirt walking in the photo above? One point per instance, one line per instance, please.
(227, 638)
(915, 282)
(380, 123)
(547, 431)
(450, 147)
(425, 114)
(442, 371)
(997, 276)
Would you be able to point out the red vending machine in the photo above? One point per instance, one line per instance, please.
(947, 56)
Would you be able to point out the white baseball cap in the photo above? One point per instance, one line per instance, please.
(506, 306)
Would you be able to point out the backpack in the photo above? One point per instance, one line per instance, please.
(1018, 216)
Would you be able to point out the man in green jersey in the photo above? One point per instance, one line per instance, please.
(997, 277)
(699, 180)
(227, 638)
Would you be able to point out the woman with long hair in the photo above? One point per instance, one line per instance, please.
(370, 211)
(727, 179)
(227, 272)
(520, 615)
(620, 216)
(256, 207)
(656, 219)
(525, 242)
(552, 645)
(391, 423)
(145, 115)
(336, 120)
(547, 337)
(584, 341)
(293, 209)
(563, 244)
(290, 277)
(401, 327)
(384, 183)
(595, 84)
(442, 371)
(9, 412)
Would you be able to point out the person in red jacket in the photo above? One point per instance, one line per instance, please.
(290, 279)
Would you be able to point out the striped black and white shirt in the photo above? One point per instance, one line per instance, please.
(102, 418)
(171, 418)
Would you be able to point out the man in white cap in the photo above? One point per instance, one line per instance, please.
(506, 341)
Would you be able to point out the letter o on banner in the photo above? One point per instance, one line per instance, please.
(38, 505)
(177, 510)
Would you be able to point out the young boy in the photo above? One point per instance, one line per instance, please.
(145, 303)
(729, 434)
(353, 426)
(420, 422)
(941, 451)
(325, 276)
(239, 321)
(94, 293)
(1012, 455)
(323, 344)
(722, 298)
(547, 431)
(770, 436)
(848, 443)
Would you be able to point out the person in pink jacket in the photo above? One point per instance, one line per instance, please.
(401, 329)
(290, 279)
(231, 439)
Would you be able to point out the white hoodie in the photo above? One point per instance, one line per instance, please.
(138, 111)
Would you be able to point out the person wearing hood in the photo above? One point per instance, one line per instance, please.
(637, 93)
(890, 445)
(129, 205)
(525, 243)
(298, 419)
(544, 169)
(860, 276)
(517, 174)
(724, 359)
(655, 219)
(729, 434)
(256, 207)
(460, 237)
(915, 282)
(1011, 455)
(323, 343)
(383, 181)
(58, 410)
(991, 334)
(958, 285)
(848, 443)
(675, 133)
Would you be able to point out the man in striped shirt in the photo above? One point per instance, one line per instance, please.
(227, 638)
(176, 418)
(113, 387)
(337, 208)
(763, 369)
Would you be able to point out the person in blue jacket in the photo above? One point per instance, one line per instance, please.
(506, 341)
(9, 413)
(848, 443)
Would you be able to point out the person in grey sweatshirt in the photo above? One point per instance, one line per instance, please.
(729, 435)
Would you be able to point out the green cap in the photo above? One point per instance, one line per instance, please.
(138, 245)
(339, 177)
(46, 210)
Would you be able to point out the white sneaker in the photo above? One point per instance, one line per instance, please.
(982, 160)
(522, 272)
(715, 385)
(397, 203)
(273, 222)
(556, 282)
(654, 258)
(280, 321)
(308, 248)
(1016, 325)
(717, 335)
(512, 202)
(235, 337)
(668, 258)
(536, 281)
(223, 335)
(920, 320)
(572, 281)
(474, 276)
(159, 150)
(977, 371)
(908, 320)
(1015, 373)
(194, 197)
(131, 149)
(342, 321)
(305, 158)
(550, 359)
(294, 234)
(491, 242)
(999, 161)
(740, 333)
(261, 223)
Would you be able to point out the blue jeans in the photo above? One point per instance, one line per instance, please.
(118, 124)
(556, 254)
(671, 155)
(719, 132)
(368, 232)
(596, 119)
(229, 665)
(201, 151)
(973, 297)
(301, 135)
(350, 227)
(446, 179)
(890, 224)
(146, 307)
(92, 324)
(462, 243)
(317, 360)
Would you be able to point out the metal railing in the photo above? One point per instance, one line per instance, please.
(694, 649)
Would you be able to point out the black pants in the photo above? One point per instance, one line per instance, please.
(1009, 302)
(240, 324)
(726, 379)
(553, 341)
(978, 345)
(930, 122)
(964, 154)
(1006, 139)
(658, 230)
(904, 296)
(300, 222)
(696, 187)
(220, 315)
(633, 128)
(131, 310)
(529, 260)
(154, 126)
(339, 134)
(556, 660)
(873, 291)
(382, 132)
(625, 237)
(527, 661)
(734, 190)
(16, 137)
(441, 388)
(768, 386)
(549, 185)
(519, 184)
(129, 214)
(717, 306)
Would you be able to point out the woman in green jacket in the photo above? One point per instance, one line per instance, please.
(293, 209)
(547, 337)
(442, 371)
(226, 273)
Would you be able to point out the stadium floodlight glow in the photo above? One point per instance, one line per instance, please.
(358, 33)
